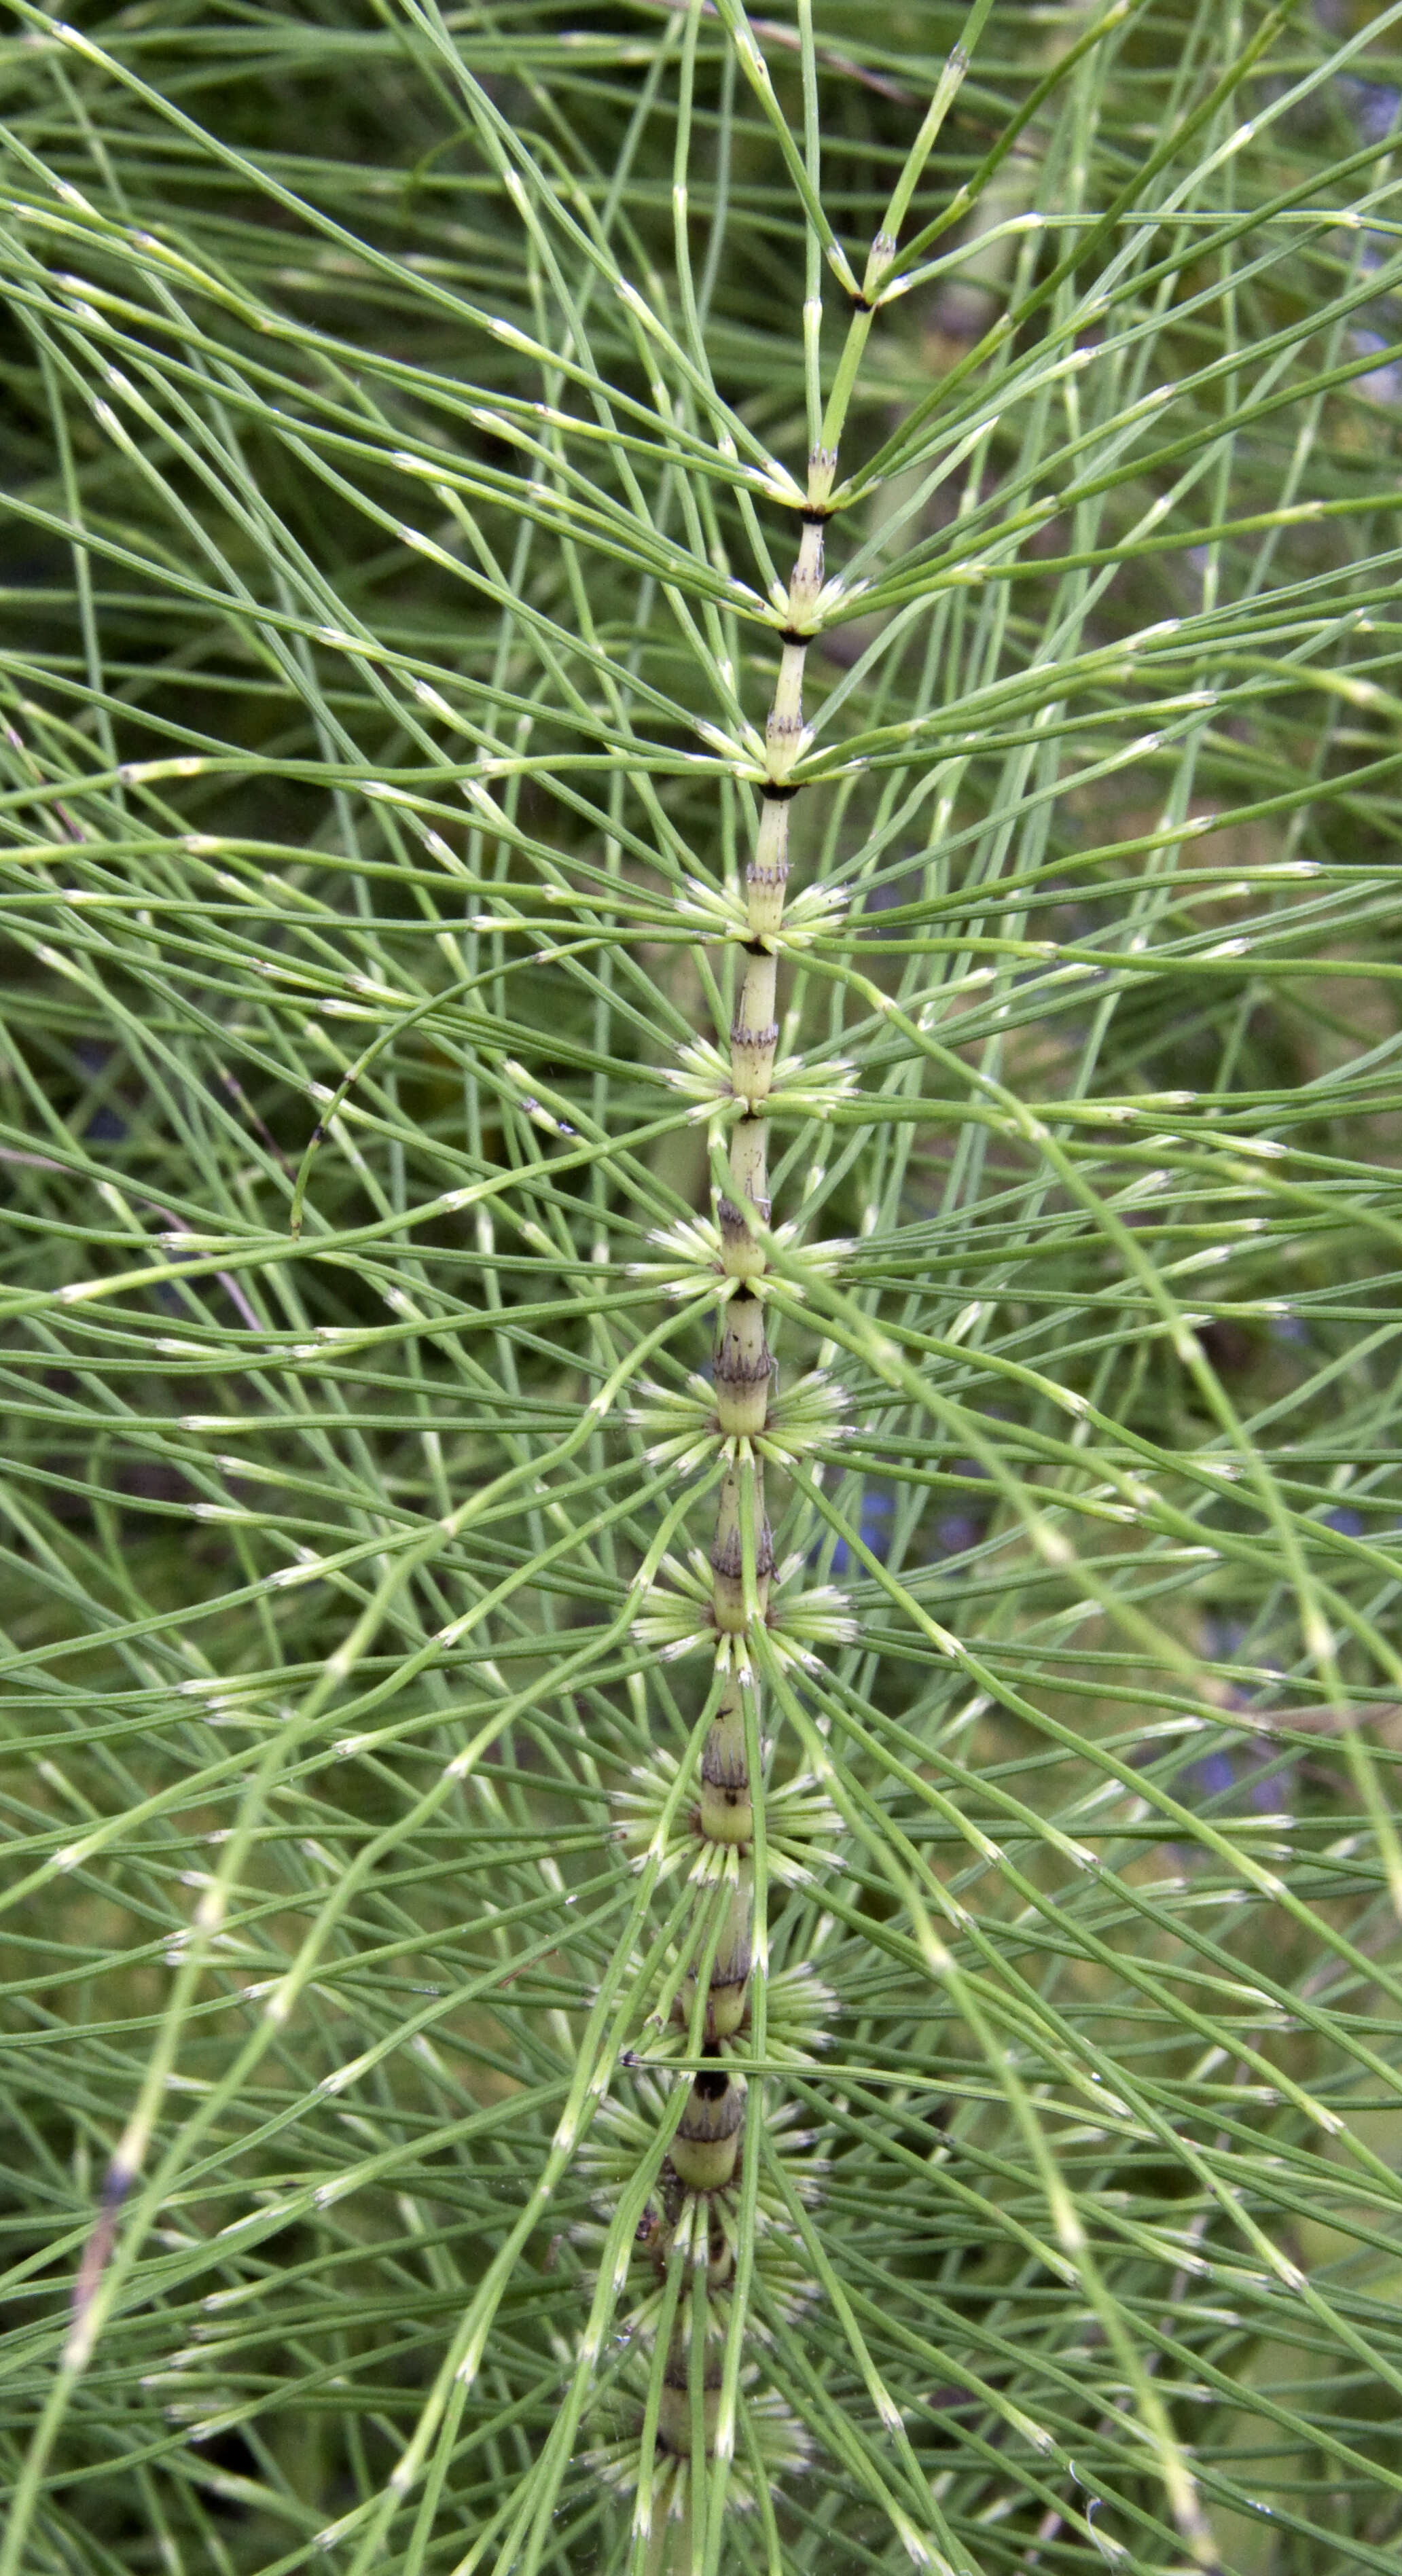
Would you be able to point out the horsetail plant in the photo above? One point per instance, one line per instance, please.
(699, 1565)
(692, 2400)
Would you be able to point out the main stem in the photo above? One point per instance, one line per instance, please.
(705, 2150)
(706, 2146)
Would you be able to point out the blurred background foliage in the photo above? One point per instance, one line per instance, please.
(371, 561)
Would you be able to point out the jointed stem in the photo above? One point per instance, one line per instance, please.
(685, 2415)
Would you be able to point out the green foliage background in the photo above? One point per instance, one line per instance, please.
(397, 468)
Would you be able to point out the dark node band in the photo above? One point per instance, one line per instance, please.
(794, 635)
(722, 1771)
(728, 1557)
(755, 948)
(814, 516)
(773, 793)
(678, 2375)
(733, 1372)
(731, 1220)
